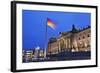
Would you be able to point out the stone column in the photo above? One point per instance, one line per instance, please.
(69, 43)
(76, 46)
(66, 44)
(59, 46)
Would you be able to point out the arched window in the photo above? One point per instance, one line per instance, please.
(88, 35)
(79, 38)
(83, 37)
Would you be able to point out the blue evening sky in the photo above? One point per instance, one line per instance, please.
(34, 25)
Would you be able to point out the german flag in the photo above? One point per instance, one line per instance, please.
(51, 24)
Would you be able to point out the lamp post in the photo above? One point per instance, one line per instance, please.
(37, 52)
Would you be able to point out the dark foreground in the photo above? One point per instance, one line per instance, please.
(63, 56)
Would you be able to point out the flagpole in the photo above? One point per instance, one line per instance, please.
(46, 39)
(52, 25)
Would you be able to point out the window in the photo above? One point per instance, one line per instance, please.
(79, 38)
(88, 35)
(83, 37)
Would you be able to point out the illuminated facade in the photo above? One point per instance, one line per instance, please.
(74, 40)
